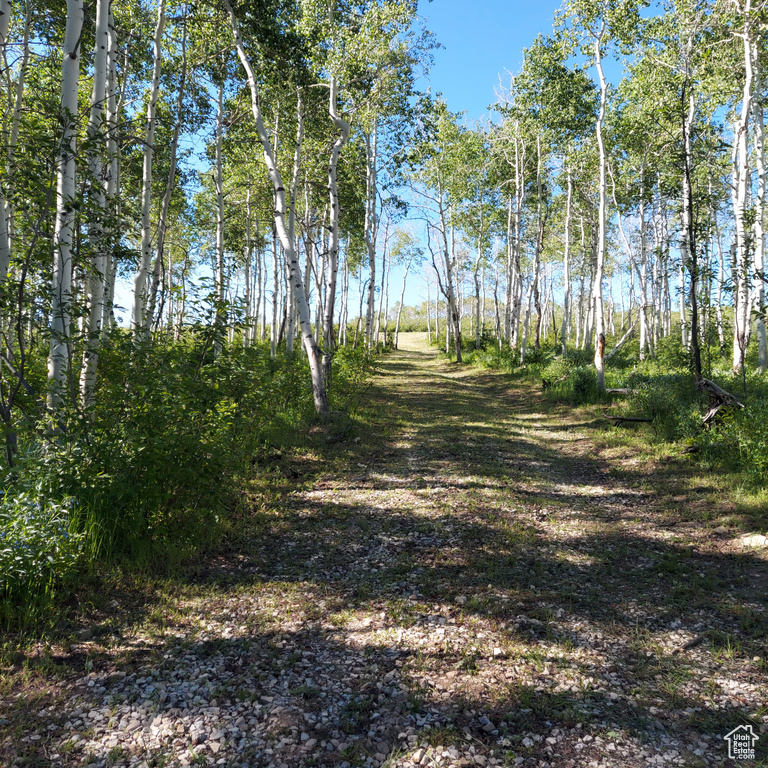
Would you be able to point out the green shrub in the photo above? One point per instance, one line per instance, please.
(158, 463)
(39, 548)
(669, 400)
(745, 433)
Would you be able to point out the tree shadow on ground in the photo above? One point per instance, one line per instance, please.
(454, 579)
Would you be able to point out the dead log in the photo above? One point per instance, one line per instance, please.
(719, 399)
(717, 394)
(618, 391)
(619, 420)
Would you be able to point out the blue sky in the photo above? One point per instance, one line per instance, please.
(482, 39)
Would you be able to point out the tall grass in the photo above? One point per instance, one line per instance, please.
(150, 475)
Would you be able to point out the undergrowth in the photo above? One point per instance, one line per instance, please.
(149, 477)
(660, 388)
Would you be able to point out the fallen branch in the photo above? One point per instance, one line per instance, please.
(718, 394)
(718, 400)
(621, 341)
(618, 391)
(619, 420)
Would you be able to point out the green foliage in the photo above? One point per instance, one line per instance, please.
(38, 548)
(571, 378)
(149, 476)
(739, 439)
(670, 400)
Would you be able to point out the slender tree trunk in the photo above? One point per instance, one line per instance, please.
(342, 126)
(371, 228)
(509, 273)
(688, 248)
(762, 181)
(567, 263)
(95, 134)
(741, 190)
(114, 103)
(644, 344)
(310, 345)
(7, 195)
(63, 234)
(140, 321)
(597, 295)
(162, 224)
(429, 326)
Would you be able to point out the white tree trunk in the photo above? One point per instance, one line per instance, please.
(6, 195)
(597, 293)
(741, 188)
(219, 180)
(113, 176)
(140, 320)
(567, 263)
(162, 223)
(96, 140)
(5, 235)
(342, 126)
(371, 229)
(61, 287)
(762, 181)
(281, 211)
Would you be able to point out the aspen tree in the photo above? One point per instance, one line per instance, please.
(5, 235)
(98, 269)
(162, 222)
(140, 321)
(61, 285)
(281, 228)
(742, 183)
(592, 26)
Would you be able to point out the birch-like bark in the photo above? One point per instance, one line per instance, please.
(63, 234)
(140, 320)
(508, 273)
(688, 247)
(520, 195)
(297, 148)
(95, 136)
(741, 188)
(371, 227)
(5, 235)
(541, 223)
(762, 182)
(343, 128)
(597, 292)
(567, 263)
(429, 324)
(450, 264)
(281, 211)
(6, 194)
(219, 182)
(248, 330)
(114, 103)
(162, 224)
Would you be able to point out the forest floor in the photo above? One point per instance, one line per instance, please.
(469, 577)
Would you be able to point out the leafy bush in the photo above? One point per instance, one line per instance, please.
(571, 377)
(669, 400)
(155, 467)
(742, 434)
(38, 548)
